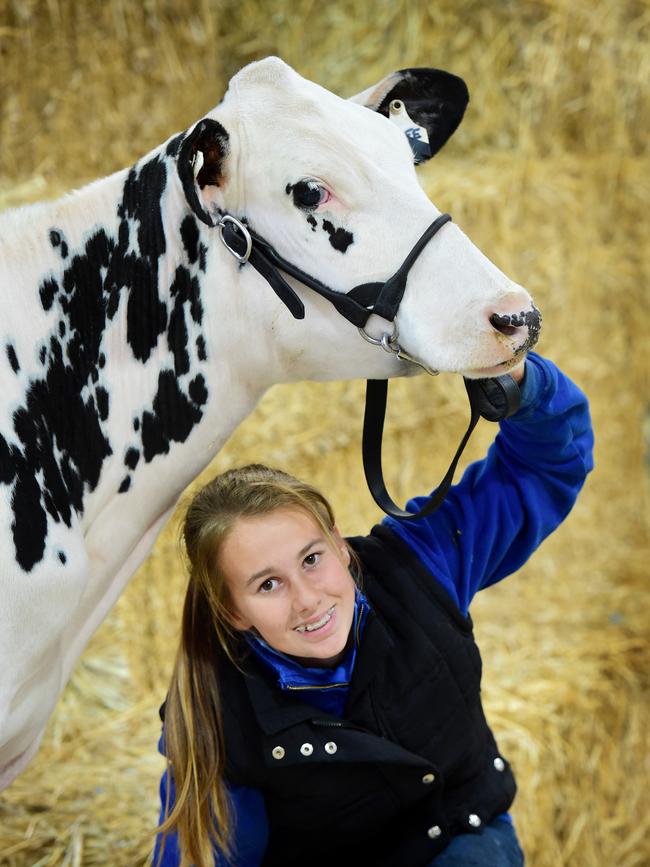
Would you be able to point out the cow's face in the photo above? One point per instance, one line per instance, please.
(332, 185)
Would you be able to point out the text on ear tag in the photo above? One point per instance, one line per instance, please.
(417, 135)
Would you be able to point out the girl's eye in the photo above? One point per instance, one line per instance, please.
(312, 559)
(309, 194)
(268, 585)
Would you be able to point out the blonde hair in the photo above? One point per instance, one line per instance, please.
(193, 729)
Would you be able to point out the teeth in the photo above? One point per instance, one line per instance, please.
(319, 623)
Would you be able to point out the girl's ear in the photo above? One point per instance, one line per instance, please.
(237, 621)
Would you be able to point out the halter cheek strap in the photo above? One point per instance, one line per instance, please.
(382, 299)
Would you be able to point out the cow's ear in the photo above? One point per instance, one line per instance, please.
(426, 99)
(201, 166)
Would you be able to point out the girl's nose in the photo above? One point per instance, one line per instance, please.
(305, 597)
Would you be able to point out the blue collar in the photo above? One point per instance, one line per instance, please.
(293, 675)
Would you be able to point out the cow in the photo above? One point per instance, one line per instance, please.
(134, 340)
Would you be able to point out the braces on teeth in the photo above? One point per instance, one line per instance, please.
(319, 623)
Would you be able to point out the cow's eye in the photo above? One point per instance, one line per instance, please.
(309, 194)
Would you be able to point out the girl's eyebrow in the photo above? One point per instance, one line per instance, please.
(269, 570)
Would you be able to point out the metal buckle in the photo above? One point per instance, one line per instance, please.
(226, 218)
(388, 342)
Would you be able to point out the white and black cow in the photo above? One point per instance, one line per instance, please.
(132, 342)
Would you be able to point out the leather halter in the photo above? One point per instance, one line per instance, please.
(493, 399)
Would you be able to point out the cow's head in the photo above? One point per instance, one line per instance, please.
(331, 183)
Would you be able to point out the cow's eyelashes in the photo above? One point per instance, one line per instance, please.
(308, 194)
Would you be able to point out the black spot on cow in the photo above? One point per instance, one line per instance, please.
(177, 338)
(112, 301)
(7, 469)
(131, 458)
(174, 144)
(42, 354)
(62, 557)
(47, 291)
(56, 353)
(101, 396)
(62, 328)
(101, 361)
(13, 358)
(312, 222)
(190, 236)
(138, 272)
(185, 292)
(172, 418)
(29, 526)
(58, 241)
(340, 239)
(198, 390)
(83, 303)
(196, 251)
(200, 348)
(126, 484)
(136, 424)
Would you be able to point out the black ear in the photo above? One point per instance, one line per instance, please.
(201, 165)
(433, 99)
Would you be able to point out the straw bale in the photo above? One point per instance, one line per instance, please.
(550, 175)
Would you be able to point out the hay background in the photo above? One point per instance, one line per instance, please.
(549, 174)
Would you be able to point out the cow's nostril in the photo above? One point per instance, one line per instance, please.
(505, 324)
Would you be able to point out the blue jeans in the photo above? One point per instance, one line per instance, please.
(495, 846)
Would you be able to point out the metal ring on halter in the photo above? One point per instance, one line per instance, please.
(226, 218)
(389, 342)
(386, 341)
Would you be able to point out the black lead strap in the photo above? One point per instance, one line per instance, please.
(493, 399)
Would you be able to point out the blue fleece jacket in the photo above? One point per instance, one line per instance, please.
(489, 525)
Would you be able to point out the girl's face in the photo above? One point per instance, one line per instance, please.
(290, 584)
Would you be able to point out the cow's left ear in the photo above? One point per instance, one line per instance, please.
(420, 99)
(201, 166)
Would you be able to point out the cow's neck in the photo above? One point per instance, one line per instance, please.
(142, 368)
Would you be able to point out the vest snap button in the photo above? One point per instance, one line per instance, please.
(306, 749)
(474, 820)
(434, 832)
(277, 752)
(499, 764)
(330, 747)
(428, 778)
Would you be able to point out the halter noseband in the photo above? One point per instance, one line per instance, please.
(493, 399)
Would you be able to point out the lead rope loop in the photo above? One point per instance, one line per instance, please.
(493, 399)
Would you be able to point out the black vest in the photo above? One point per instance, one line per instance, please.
(413, 762)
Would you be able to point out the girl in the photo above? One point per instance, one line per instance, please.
(325, 703)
